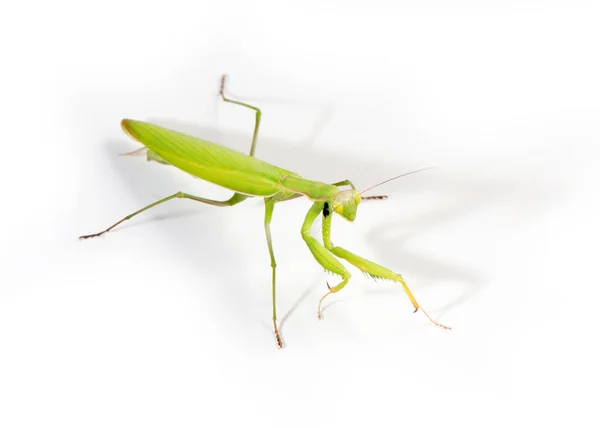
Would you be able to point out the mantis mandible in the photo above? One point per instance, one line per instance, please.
(249, 177)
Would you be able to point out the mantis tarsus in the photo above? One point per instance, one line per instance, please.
(248, 177)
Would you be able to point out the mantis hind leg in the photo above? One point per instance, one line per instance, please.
(256, 109)
(235, 199)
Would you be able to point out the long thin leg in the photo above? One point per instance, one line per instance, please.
(370, 268)
(321, 254)
(235, 199)
(257, 110)
(269, 205)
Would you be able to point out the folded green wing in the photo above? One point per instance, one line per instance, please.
(209, 161)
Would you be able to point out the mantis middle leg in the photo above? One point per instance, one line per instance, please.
(269, 205)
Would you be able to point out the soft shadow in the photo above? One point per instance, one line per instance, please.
(189, 240)
(307, 291)
(507, 201)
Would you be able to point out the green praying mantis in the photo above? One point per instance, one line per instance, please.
(249, 177)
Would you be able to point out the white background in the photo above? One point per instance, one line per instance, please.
(166, 321)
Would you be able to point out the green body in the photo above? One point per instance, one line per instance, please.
(247, 177)
(209, 161)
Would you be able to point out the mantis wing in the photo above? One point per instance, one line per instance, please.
(209, 161)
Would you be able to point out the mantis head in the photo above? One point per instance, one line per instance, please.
(345, 203)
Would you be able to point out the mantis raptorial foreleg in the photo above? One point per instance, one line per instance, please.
(321, 254)
(368, 267)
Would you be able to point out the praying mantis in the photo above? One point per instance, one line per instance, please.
(249, 177)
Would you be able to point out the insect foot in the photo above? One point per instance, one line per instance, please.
(277, 336)
(319, 312)
(92, 236)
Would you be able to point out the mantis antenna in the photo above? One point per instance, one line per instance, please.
(393, 178)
